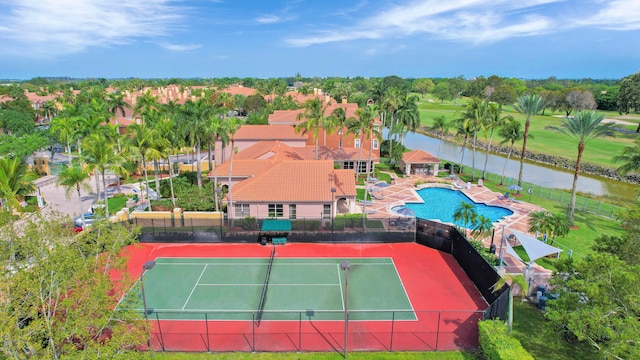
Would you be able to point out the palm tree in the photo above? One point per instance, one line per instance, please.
(74, 178)
(493, 121)
(465, 131)
(232, 126)
(539, 222)
(630, 159)
(314, 119)
(408, 114)
(98, 155)
(527, 105)
(116, 104)
(16, 181)
(483, 226)
(196, 116)
(582, 128)
(466, 213)
(473, 118)
(140, 141)
(65, 126)
(510, 133)
(339, 118)
(366, 128)
(440, 124)
(390, 102)
(512, 280)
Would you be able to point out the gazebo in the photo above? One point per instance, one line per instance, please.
(419, 162)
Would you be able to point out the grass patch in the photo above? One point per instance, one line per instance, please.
(541, 340)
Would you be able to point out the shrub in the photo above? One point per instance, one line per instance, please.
(497, 344)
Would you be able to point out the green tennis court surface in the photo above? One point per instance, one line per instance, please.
(232, 289)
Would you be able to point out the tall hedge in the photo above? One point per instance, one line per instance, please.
(497, 344)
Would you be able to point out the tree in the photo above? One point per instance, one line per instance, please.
(99, 155)
(408, 115)
(473, 118)
(59, 302)
(313, 119)
(465, 212)
(16, 123)
(527, 105)
(232, 126)
(512, 280)
(423, 86)
(195, 116)
(116, 104)
(389, 103)
(582, 128)
(65, 127)
(254, 103)
(457, 86)
(510, 133)
(139, 142)
(482, 227)
(74, 178)
(580, 100)
(442, 91)
(630, 159)
(492, 122)
(441, 125)
(597, 302)
(366, 129)
(339, 118)
(629, 94)
(504, 95)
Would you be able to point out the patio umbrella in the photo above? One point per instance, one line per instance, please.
(451, 177)
(382, 184)
(514, 187)
(405, 211)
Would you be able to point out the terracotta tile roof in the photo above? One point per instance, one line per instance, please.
(333, 154)
(296, 181)
(268, 132)
(289, 117)
(419, 157)
(242, 168)
(269, 150)
(239, 90)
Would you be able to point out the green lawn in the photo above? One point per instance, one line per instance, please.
(598, 151)
(541, 340)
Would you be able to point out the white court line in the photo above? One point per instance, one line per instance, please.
(279, 264)
(270, 284)
(194, 286)
(340, 283)
(404, 289)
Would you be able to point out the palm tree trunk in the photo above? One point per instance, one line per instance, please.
(97, 185)
(198, 165)
(146, 181)
(80, 204)
(69, 149)
(173, 197)
(215, 180)
(104, 186)
(505, 164)
(524, 149)
(576, 174)
(510, 315)
(229, 199)
(486, 158)
(156, 169)
(473, 156)
(440, 145)
(210, 157)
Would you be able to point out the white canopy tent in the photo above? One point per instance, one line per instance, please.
(534, 248)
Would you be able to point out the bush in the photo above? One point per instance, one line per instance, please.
(497, 344)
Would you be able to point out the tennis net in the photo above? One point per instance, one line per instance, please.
(263, 298)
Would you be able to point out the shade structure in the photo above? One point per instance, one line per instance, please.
(535, 248)
(514, 187)
(405, 211)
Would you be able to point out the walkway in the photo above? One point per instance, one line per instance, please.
(404, 191)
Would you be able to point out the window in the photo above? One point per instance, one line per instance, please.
(356, 143)
(326, 211)
(276, 210)
(362, 166)
(292, 211)
(242, 210)
(375, 143)
(348, 165)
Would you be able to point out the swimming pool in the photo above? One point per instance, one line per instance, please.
(440, 204)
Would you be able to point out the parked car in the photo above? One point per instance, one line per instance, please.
(89, 218)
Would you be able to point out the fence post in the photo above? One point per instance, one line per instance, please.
(160, 331)
(253, 332)
(438, 331)
(393, 323)
(300, 332)
(206, 322)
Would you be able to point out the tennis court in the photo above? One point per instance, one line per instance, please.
(208, 297)
(273, 288)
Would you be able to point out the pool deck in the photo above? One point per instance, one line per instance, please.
(403, 190)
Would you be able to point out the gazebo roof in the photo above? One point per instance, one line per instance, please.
(419, 157)
(535, 248)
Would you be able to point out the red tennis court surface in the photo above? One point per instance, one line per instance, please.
(446, 302)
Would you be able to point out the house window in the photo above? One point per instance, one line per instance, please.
(292, 211)
(362, 166)
(276, 210)
(356, 143)
(375, 143)
(242, 210)
(348, 165)
(326, 211)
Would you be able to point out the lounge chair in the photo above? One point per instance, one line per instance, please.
(506, 196)
(456, 184)
(376, 196)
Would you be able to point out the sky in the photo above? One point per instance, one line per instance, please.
(530, 39)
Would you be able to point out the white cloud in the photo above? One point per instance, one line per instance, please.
(268, 19)
(180, 47)
(474, 21)
(614, 15)
(55, 27)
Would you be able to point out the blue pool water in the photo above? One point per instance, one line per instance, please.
(440, 204)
